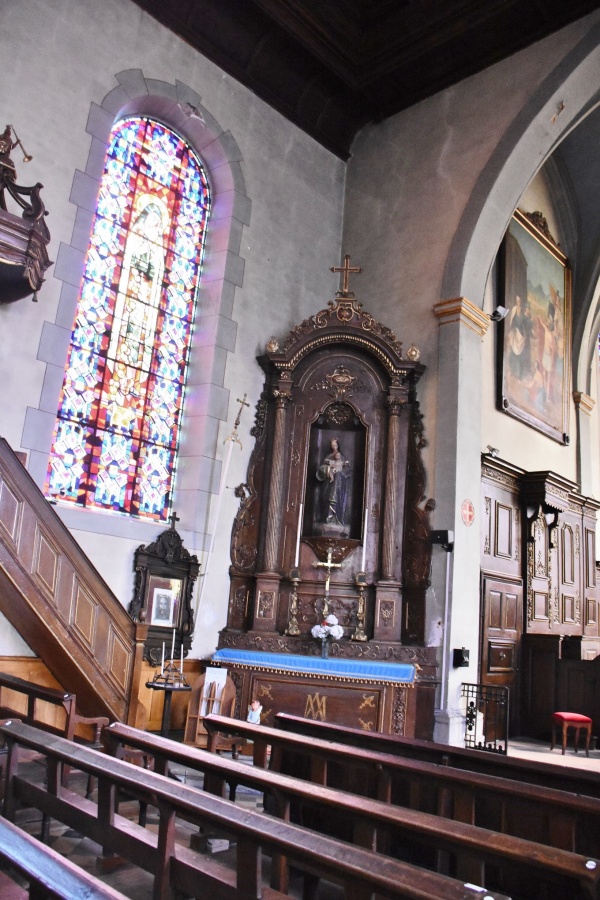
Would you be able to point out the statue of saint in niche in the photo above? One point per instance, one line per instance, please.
(333, 475)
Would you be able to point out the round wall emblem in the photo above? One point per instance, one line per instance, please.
(467, 512)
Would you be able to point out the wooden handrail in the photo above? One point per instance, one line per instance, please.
(55, 598)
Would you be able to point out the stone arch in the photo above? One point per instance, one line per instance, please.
(206, 402)
(523, 149)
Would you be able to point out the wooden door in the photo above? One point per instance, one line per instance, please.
(502, 617)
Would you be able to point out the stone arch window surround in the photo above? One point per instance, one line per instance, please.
(206, 400)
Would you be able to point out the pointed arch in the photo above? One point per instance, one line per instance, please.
(180, 108)
(117, 431)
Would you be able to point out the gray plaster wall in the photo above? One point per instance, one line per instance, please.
(61, 62)
(437, 185)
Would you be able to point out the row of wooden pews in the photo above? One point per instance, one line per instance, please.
(537, 814)
(359, 871)
(471, 853)
(578, 781)
(404, 821)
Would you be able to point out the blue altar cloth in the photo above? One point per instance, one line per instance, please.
(334, 667)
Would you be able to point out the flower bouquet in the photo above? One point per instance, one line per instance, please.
(328, 630)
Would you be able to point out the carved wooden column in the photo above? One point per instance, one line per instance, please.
(267, 584)
(388, 611)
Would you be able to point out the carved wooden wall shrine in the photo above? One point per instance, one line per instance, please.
(331, 517)
(539, 593)
(165, 574)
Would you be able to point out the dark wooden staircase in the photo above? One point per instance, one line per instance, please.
(57, 601)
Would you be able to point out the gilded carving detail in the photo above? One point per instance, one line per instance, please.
(264, 690)
(399, 712)
(266, 602)
(316, 707)
(346, 311)
(339, 414)
(530, 577)
(577, 541)
(368, 702)
(366, 726)
(260, 419)
(237, 678)
(386, 611)
(238, 602)
(578, 608)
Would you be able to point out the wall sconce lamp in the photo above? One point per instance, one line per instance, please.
(499, 313)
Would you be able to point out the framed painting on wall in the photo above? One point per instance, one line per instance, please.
(534, 343)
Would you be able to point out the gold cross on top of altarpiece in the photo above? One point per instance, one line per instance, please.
(329, 565)
(346, 270)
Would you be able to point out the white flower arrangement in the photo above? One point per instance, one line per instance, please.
(329, 628)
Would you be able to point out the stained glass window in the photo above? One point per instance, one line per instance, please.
(116, 436)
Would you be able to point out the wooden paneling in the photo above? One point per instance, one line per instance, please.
(58, 602)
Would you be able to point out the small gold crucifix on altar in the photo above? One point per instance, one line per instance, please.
(346, 270)
(329, 565)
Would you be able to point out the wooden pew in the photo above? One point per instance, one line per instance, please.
(49, 874)
(546, 815)
(579, 781)
(29, 702)
(532, 867)
(31, 705)
(360, 872)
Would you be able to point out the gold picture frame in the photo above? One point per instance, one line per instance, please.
(534, 342)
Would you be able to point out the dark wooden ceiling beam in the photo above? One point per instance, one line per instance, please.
(331, 66)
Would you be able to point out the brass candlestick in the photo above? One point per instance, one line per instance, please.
(292, 627)
(359, 632)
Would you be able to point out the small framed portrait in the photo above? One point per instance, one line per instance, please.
(163, 602)
(534, 346)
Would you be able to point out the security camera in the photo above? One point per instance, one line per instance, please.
(499, 313)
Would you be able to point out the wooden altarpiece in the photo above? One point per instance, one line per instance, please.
(339, 406)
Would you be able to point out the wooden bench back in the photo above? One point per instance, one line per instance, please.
(24, 700)
(514, 861)
(579, 781)
(48, 873)
(360, 873)
(546, 815)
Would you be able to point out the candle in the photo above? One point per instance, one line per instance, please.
(172, 646)
(162, 662)
(297, 555)
(364, 547)
(182, 658)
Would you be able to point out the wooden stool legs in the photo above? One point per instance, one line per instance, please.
(578, 723)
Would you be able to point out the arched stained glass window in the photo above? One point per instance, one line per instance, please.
(116, 436)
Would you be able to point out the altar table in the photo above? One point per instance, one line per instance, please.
(369, 694)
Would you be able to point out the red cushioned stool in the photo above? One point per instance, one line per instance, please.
(571, 720)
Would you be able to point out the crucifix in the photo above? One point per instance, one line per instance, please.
(346, 270)
(174, 518)
(234, 435)
(329, 565)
